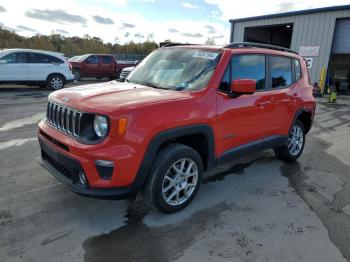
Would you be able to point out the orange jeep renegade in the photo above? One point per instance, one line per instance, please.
(181, 112)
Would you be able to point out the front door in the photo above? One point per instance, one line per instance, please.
(243, 119)
(92, 66)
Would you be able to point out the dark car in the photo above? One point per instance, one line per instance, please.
(94, 65)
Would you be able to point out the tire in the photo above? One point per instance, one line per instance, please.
(294, 147)
(77, 74)
(165, 188)
(55, 82)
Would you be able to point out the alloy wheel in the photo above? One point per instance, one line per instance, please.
(295, 140)
(56, 82)
(180, 182)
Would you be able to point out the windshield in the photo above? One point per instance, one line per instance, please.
(176, 69)
(74, 58)
(81, 58)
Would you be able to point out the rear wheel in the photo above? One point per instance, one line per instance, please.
(55, 82)
(174, 179)
(294, 147)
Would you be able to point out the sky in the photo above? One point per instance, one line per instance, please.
(122, 21)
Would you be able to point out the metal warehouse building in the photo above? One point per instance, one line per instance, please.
(321, 35)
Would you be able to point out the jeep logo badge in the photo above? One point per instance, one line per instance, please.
(66, 99)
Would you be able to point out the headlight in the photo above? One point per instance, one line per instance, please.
(100, 125)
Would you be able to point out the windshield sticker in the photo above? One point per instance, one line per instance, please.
(206, 55)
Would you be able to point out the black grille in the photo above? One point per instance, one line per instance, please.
(58, 166)
(63, 118)
(54, 141)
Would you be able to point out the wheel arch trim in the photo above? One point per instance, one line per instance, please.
(162, 137)
(298, 114)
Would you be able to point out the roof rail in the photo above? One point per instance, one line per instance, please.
(258, 45)
(173, 44)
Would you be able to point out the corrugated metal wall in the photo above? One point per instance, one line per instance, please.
(308, 30)
(341, 42)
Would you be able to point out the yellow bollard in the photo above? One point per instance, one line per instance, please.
(322, 79)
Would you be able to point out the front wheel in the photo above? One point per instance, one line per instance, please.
(174, 178)
(55, 82)
(294, 147)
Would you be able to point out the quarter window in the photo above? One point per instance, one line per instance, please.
(297, 69)
(249, 67)
(36, 58)
(15, 58)
(281, 71)
(225, 81)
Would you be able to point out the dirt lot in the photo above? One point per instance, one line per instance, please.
(256, 209)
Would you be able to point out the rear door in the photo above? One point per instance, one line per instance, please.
(92, 66)
(14, 67)
(282, 83)
(243, 119)
(42, 65)
(108, 65)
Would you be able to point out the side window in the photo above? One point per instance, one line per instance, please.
(92, 60)
(249, 67)
(281, 71)
(107, 60)
(15, 58)
(37, 58)
(297, 69)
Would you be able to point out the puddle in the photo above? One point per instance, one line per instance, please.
(137, 241)
(314, 177)
(236, 169)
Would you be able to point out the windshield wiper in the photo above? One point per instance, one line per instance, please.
(154, 85)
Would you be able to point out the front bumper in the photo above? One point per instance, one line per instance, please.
(66, 169)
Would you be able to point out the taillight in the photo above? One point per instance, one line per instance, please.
(70, 66)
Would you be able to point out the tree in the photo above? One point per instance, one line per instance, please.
(210, 41)
(72, 45)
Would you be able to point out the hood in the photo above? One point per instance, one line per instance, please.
(110, 96)
(128, 69)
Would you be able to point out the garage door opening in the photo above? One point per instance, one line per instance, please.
(339, 62)
(339, 72)
(280, 35)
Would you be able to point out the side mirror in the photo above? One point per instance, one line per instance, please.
(243, 86)
(3, 62)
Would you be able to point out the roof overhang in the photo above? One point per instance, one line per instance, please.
(293, 13)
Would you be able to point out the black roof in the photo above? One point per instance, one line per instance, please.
(300, 12)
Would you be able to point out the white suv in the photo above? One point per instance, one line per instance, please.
(34, 67)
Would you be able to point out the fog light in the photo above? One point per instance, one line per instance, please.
(105, 163)
(105, 168)
(82, 178)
